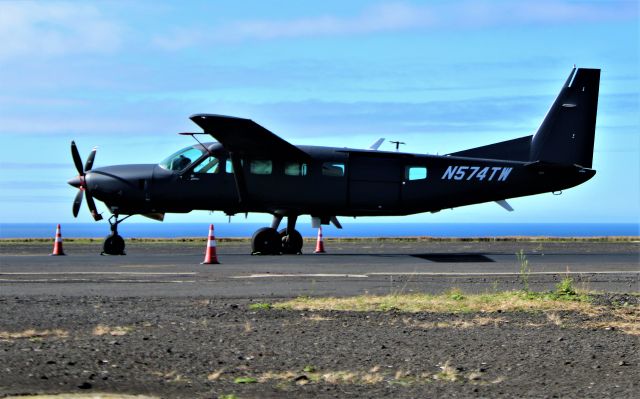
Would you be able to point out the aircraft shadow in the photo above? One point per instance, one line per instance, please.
(436, 257)
(454, 258)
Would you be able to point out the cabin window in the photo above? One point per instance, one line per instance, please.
(295, 169)
(261, 167)
(415, 173)
(335, 169)
(208, 165)
(228, 166)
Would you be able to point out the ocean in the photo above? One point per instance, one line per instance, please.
(173, 230)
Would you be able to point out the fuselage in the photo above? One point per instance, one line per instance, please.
(331, 182)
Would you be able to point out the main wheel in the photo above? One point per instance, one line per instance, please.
(291, 243)
(113, 245)
(266, 241)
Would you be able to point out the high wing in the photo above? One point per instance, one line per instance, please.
(245, 137)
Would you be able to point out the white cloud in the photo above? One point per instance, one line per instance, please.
(384, 17)
(396, 16)
(52, 28)
(52, 125)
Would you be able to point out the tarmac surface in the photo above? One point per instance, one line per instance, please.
(349, 268)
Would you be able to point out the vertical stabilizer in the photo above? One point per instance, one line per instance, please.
(567, 132)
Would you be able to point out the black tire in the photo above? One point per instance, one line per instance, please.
(266, 241)
(291, 243)
(113, 245)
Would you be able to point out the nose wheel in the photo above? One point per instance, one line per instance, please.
(114, 243)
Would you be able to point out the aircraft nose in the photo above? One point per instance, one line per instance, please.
(75, 181)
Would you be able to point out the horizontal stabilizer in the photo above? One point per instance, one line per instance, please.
(510, 150)
(505, 205)
(377, 144)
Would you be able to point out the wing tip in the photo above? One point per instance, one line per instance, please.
(216, 116)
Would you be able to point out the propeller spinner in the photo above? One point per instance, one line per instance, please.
(80, 182)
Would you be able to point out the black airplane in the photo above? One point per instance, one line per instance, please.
(251, 169)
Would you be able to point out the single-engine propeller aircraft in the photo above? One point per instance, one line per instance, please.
(251, 169)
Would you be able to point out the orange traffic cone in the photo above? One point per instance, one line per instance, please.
(319, 243)
(210, 256)
(57, 245)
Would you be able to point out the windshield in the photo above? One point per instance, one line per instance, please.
(181, 159)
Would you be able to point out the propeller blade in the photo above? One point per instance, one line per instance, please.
(76, 158)
(92, 207)
(89, 164)
(76, 203)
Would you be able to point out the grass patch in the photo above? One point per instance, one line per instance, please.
(478, 321)
(376, 375)
(450, 302)
(260, 306)
(172, 377)
(456, 294)
(245, 380)
(339, 377)
(213, 376)
(115, 331)
(565, 288)
(317, 317)
(565, 298)
(625, 319)
(447, 373)
(524, 269)
(33, 334)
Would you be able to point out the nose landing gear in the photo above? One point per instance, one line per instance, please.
(114, 243)
(270, 241)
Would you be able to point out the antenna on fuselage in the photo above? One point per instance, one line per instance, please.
(194, 137)
(397, 143)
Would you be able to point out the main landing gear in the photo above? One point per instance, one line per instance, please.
(270, 241)
(114, 243)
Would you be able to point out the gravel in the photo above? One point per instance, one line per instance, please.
(206, 348)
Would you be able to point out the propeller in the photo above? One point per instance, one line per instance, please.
(81, 182)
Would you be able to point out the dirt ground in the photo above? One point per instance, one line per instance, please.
(205, 348)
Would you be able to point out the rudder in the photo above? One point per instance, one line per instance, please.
(567, 133)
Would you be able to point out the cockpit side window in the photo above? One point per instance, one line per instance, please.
(181, 159)
(209, 165)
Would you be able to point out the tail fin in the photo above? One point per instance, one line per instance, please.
(567, 132)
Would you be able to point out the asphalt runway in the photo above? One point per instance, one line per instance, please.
(173, 270)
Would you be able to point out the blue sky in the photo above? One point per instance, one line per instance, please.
(440, 75)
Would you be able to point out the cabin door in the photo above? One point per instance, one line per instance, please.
(374, 183)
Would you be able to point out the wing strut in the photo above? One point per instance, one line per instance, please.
(238, 176)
